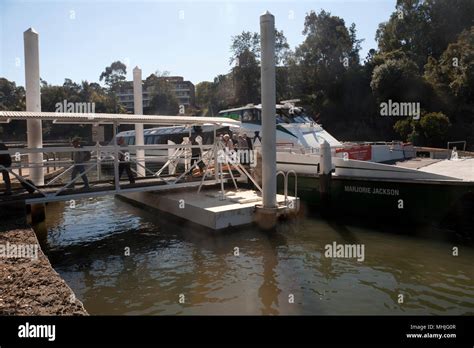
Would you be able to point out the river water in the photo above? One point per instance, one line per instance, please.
(120, 259)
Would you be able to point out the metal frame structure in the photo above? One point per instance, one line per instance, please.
(49, 192)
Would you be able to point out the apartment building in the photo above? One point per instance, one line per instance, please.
(182, 90)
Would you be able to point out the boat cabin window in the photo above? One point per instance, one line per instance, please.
(148, 140)
(251, 116)
(235, 115)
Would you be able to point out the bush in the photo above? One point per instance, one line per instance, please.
(435, 126)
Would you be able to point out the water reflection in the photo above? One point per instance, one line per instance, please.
(87, 245)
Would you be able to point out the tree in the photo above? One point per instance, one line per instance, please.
(224, 93)
(204, 97)
(404, 128)
(245, 42)
(246, 78)
(454, 72)
(324, 72)
(72, 92)
(11, 97)
(114, 74)
(398, 80)
(250, 42)
(435, 127)
(163, 101)
(424, 28)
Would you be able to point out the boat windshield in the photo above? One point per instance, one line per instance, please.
(292, 115)
(284, 115)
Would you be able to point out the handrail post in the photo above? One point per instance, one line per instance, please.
(285, 183)
(97, 146)
(296, 184)
(116, 159)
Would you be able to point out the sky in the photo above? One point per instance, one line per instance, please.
(78, 39)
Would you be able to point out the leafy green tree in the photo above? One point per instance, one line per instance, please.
(224, 93)
(114, 75)
(404, 128)
(12, 97)
(454, 72)
(452, 78)
(245, 58)
(204, 99)
(246, 78)
(398, 80)
(435, 127)
(245, 42)
(324, 71)
(163, 100)
(250, 42)
(424, 28)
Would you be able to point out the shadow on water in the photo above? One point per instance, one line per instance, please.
(120, 259)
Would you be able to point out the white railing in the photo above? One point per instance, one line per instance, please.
(61, 187)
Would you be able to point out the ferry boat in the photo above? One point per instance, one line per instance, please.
(298, 138)
(421, 191)
(367, 176)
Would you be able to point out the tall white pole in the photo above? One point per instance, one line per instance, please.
(138, 106)
(267, 34)
(33, 103)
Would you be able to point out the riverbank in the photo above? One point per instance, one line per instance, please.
(30, 285)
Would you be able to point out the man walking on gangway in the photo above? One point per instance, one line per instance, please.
(80, 158)
(124, 163)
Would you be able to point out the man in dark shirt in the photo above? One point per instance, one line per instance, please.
(79, 158)
(6, 161)
(123, 164)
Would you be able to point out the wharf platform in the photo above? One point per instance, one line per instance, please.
(208, 208)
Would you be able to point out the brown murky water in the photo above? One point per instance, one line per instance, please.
(87, 246)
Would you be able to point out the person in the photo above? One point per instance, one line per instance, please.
(242, 143)
(249, 142)
(196, 153)
(235, 140)
(6, 161)
(242, 150)
(80, 158)
(123, 164)
(228, 142)
(249, 147)
(257, 139)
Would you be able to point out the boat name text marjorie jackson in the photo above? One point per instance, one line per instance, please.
(372, 190)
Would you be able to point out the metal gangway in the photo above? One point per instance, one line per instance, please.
(219, 167)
